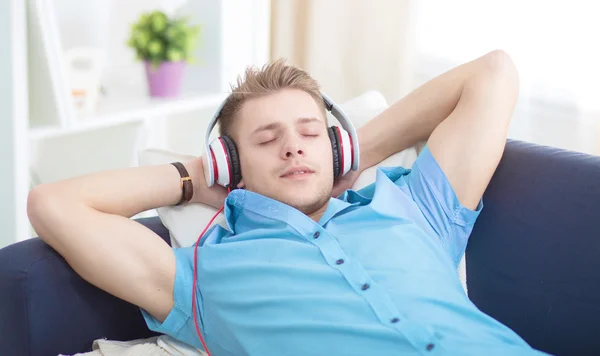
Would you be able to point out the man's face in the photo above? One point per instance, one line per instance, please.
(285, 152)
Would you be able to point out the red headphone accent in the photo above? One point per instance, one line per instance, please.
(214, 161)
(351, 150)
(341, 147)
(228, 162)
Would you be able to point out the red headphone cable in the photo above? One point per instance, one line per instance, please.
(195, 277)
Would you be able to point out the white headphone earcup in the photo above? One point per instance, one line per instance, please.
(221, 161)
(346, 150)
(208, 168)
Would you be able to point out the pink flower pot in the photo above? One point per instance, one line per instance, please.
(164, 80)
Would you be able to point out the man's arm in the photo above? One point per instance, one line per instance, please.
(464, 113)
(86, 220)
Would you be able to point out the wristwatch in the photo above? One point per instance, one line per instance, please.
(185, 183)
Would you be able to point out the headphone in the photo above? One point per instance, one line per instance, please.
(222, 164)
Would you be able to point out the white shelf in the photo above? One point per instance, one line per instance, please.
(58, 143)
(145, 106)
(126, 110)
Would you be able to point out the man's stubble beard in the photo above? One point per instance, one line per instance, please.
(314, 204)
(306, 205)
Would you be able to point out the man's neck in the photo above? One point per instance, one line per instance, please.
(316, 216)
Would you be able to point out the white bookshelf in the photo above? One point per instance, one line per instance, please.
(117, 113)
(58, 142)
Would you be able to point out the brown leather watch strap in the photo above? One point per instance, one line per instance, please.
(185, 183)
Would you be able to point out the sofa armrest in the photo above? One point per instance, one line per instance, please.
(533, 258)
(47, 309)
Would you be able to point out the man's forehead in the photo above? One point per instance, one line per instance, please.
(283, 113)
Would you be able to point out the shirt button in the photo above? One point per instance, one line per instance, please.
(430, 347)
(316, 235)
(395, 320)
(365, 286)
(340, 261)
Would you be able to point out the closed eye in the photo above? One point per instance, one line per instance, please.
(266, 142)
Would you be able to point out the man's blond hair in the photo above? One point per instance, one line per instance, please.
(269, 79)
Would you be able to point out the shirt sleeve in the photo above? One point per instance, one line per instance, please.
(437, 200)
(179, 323)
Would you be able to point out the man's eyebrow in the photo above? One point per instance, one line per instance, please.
(266, 127)
(306, 120)
(275, 125)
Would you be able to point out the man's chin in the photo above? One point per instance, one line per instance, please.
(306, 199)
(306, 204)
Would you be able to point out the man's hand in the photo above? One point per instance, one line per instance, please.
(344, 183)
(213, 196)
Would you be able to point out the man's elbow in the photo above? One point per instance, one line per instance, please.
(35, 200)
(501, 65)
(42, 209)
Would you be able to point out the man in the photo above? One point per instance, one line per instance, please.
(299, 272)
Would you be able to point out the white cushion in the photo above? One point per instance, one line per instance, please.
(185, 223)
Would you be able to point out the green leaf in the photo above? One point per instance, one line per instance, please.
(171, 33)
(190, 44)
(142, 39)
(144, 20)
(158, 21)
(156, 38)
(174, 55)
(155, 47)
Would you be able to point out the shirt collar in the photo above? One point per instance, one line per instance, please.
(239, 201)
(335, 206)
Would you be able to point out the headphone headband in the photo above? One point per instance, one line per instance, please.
(335, 110)
(341, 116)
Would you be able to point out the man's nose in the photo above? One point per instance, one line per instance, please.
(291, 153)
(292, 149)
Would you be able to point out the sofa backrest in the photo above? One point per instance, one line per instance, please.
(533, 258)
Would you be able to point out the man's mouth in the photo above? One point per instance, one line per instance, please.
(298, 172)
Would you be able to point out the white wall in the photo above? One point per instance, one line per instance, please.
(13, 123)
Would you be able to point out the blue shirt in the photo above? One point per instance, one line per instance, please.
(377, 275)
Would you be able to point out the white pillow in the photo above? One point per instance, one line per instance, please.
(185, 223)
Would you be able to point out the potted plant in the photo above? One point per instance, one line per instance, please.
(165, 45)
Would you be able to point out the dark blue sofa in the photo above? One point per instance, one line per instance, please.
(533, 263)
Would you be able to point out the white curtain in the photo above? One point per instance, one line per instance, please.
(349, 46)
(554, 45)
